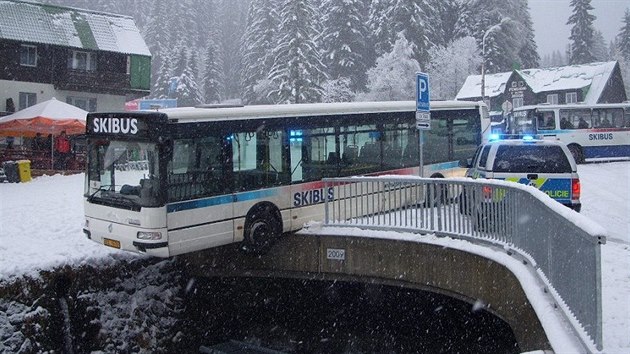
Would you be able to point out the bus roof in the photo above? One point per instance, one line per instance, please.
(188, 114)
(545, 106)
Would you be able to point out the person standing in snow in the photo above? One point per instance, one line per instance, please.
(62, 150)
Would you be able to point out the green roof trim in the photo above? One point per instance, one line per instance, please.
(84, 30)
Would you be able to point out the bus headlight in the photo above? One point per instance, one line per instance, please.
(149, 235)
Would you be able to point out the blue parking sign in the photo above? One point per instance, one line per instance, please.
(422, 92)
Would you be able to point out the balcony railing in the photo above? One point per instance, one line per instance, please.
(92, 80)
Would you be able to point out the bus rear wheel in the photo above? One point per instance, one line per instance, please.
(261, 230)
(576, 151)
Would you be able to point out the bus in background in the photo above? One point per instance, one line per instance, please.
(592, 132)
(181, 180)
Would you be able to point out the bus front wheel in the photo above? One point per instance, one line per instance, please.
(261, 229)
(576, 151)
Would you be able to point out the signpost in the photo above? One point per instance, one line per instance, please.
(423, 116)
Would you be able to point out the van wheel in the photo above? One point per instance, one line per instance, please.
(261, 229)
(576, 151)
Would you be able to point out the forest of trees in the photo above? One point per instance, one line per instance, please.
(294, 51)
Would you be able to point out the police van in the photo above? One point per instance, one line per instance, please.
(544, 164)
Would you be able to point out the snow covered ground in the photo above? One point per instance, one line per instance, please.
(41, 228)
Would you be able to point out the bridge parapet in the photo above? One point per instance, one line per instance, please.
(563, 246)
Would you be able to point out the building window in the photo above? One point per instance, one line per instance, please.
(571, 97)
(82, 61)
(27, 99)
(517, 102)
(85, 103)
(552, 99)
(28, 55)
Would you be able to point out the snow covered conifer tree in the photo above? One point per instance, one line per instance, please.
(528, 52)
(232, 16)
(411, 18)
(450, 66)
(158, 39)
(623, 51)
(582, 32)
(257, 45)
(379, 26)
(298, 71)
(161, 80)
(393, 77)
(187, 92)
(508, 46)
(344, 41)
(449, 12)
(600, 50)
(213, 77)
(623, 38)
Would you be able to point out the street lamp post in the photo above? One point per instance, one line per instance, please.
(483, 56)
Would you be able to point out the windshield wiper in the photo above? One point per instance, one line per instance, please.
(114, 196)
(124, 198)
(100, 189)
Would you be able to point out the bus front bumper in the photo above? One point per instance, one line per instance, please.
(124, 238)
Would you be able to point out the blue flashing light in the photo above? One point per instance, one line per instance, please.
(494, 137)
(295, 136)
(528, 138)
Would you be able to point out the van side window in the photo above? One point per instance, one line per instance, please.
(483, 158)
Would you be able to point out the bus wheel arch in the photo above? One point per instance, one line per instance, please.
(577, 152)
(263, 225)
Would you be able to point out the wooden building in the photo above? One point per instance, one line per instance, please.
(590, 83)
(93, 60)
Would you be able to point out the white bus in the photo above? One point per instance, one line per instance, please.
(186, 179)
(592, 132)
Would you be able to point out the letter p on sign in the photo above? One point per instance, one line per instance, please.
(422, 92)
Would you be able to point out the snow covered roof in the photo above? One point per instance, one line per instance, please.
(495, 85)
(571, 77)
(593, 76)
(33, 22)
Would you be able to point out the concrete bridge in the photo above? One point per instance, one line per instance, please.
(552, 242)
(461, 275)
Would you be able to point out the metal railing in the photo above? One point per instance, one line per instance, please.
(522, 220)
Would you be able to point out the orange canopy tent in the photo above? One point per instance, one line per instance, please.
(49, 117)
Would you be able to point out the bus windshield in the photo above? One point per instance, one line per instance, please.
(522, 122)
(123, 173)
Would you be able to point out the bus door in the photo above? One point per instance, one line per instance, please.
(260, 167)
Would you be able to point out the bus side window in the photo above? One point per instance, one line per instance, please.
(546, 120)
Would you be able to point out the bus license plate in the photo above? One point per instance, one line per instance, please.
(111, 243)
